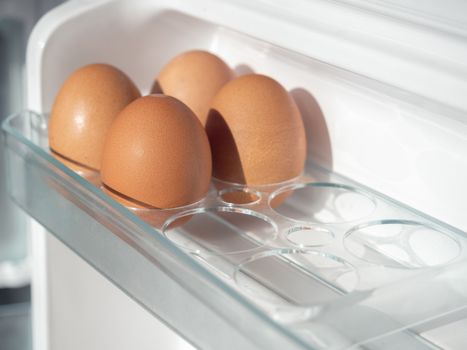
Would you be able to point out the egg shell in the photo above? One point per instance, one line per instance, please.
(256, 132)
(154, 217)
(194, 78)
(85, 107)
(157, 153)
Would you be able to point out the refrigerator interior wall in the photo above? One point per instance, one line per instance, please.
(103, 316)
(16, 22)
(14, 271)
(372, 133)
(17, 18)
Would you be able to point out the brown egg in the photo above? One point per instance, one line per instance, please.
(153, 216)
(194, 78)
(256, 132)
(157, 154)
(84, 109)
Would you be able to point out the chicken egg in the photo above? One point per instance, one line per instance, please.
(156, 155)
(193, 77)
(256, 132)
(85, 107)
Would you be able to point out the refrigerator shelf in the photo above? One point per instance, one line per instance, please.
(316, 262)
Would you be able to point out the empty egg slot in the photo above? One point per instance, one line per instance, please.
(309, 236)
(322, 203)
(296, 277)
(401, 244)
(220, 230)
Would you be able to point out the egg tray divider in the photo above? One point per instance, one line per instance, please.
(305, 252)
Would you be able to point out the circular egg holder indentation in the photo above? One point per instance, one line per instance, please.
(304, 236)
(220, 230)
(239, 196)
(322, 202)
(295, 247)
(401, 244)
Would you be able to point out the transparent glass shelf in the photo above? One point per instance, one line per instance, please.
(317, 262)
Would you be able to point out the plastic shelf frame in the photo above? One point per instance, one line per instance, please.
(153, 269)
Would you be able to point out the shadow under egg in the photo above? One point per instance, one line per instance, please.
(155, 217)
(92, 175)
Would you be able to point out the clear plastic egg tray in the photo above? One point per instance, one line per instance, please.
(316, 262)
(304, 244)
